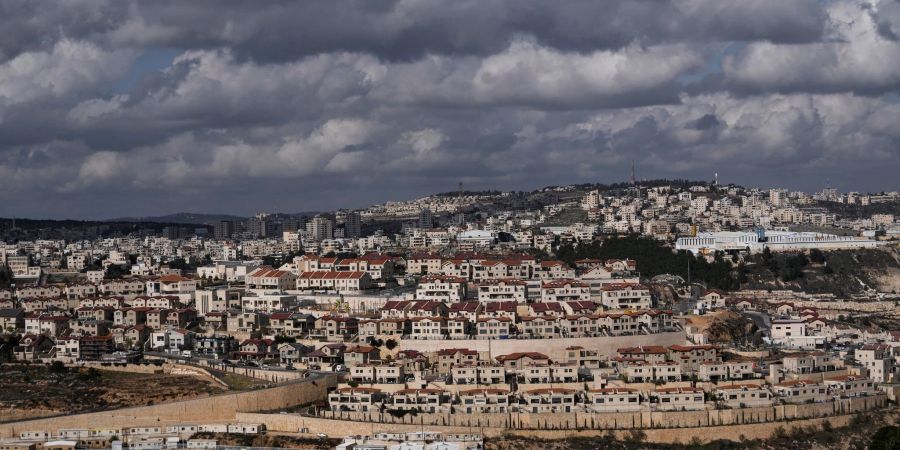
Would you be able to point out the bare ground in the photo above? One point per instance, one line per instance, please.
(30, 391)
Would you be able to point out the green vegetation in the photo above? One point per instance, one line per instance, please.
(189, 266)
(841, 272)
(31, 229)
(116, 272)
(787, 267)
(654, 258)
(6, 277)
(58, 368)
(886, 438)
(281, 339)
(860, 211)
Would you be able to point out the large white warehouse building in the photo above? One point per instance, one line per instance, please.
(776, 241)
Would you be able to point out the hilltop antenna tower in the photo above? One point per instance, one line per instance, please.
(460, 197)
(632, 172)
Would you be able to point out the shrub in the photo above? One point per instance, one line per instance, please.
(780, 432)
(886, 438)
(636, 436)
(89, 374)
(58, 368)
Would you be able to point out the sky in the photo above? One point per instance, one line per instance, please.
(112, 108)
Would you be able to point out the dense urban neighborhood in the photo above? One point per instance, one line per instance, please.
(662, 305)
(450, 225)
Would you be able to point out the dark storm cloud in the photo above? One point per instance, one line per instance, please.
(706, 122)
(27, 25)
(407, 30)
(326, 104)
(404, 30)
(888, 19)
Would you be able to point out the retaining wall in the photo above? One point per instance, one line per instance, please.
(659, 426)
(554, 348)
(218, 408)
(623, 420)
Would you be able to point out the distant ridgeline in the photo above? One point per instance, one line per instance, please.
(676, 183)
(30, 229)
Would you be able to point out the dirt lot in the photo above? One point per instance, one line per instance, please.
(237, 382)
(35, 391)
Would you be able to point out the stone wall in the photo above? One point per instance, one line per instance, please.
(660, 427)
(621, 420)
(221, 408)
(167, 368)
(277, 376)
(554, 348)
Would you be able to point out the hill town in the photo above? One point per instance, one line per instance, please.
(639, 306)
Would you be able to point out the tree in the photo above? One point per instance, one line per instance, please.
(636, 436)
(115, 272)
(816, 256)
(886, 438)
(58, 368)
(6, 276)
(179, 264)
(89, 374)
(766, 254)
(780, 432)
(652, 258)
(281, 339)
(390, 344)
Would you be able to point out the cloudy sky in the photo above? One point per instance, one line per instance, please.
(118, 107)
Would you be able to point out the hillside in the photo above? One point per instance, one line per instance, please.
(837, 272)
(13, 230)
(182, 217)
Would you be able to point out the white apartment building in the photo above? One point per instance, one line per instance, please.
(268, 279)
(626, 296)
(332, 281)
(878, 359)
(502, 290)
(254, 302)
(565, 291)
(441, 288)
